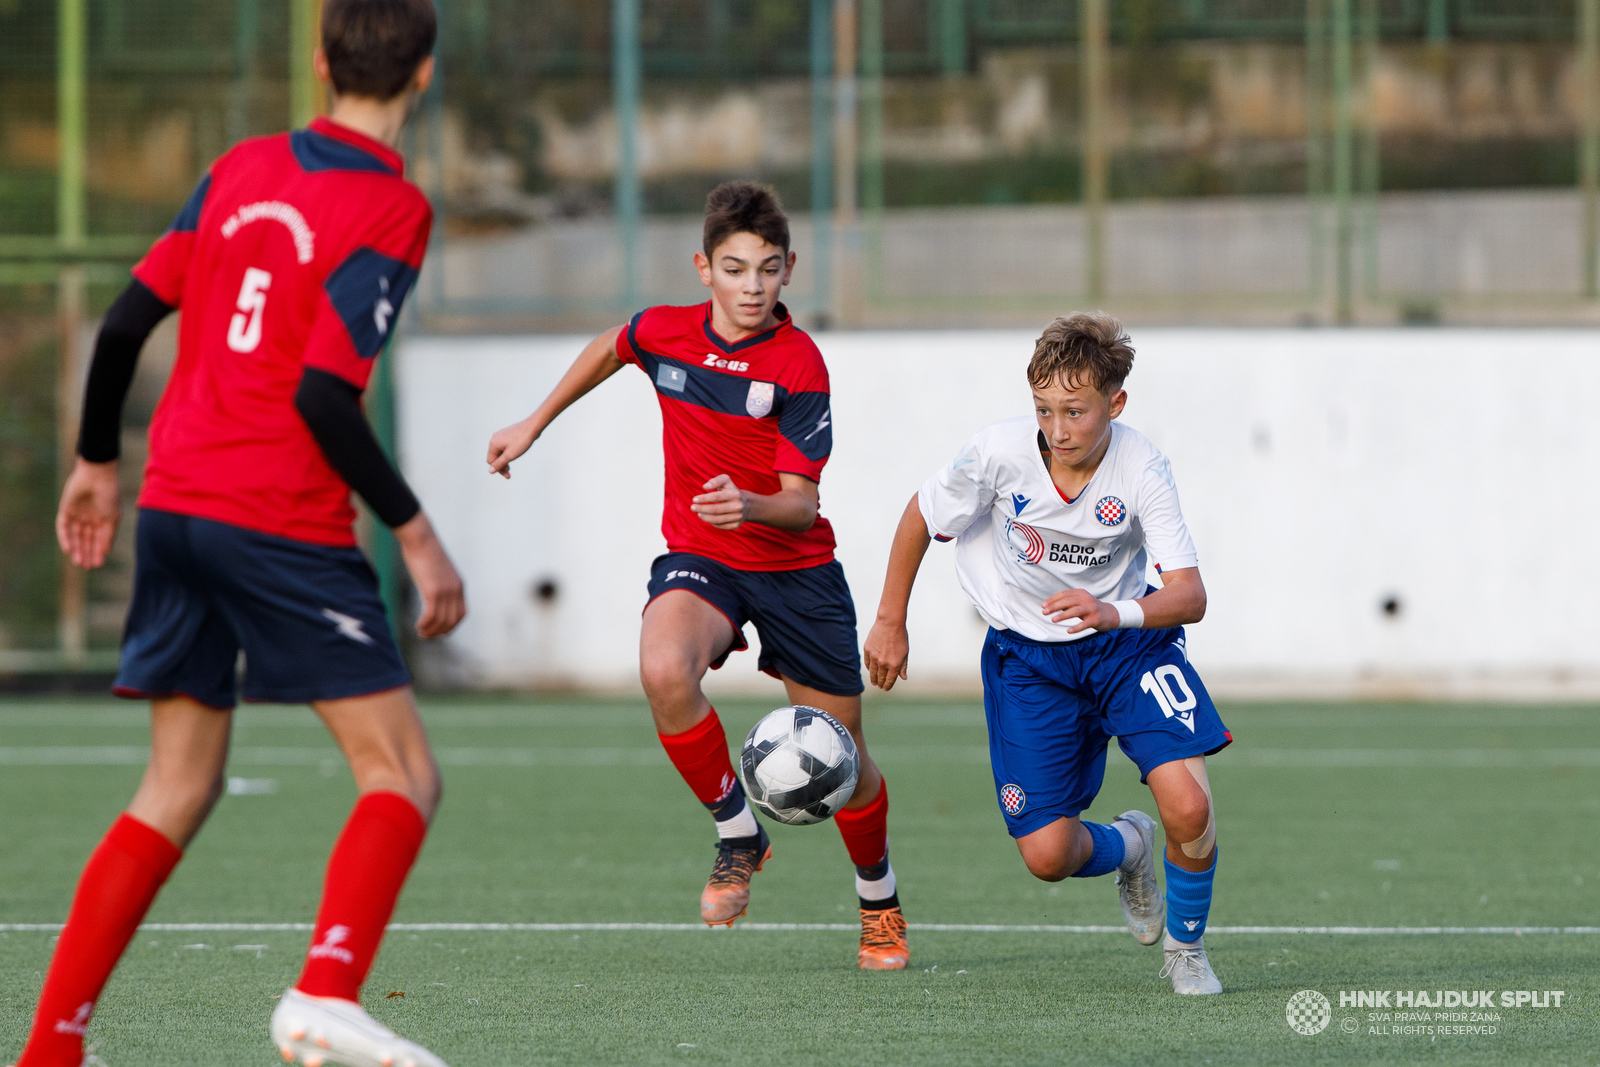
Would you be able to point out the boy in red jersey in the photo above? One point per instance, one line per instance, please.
(290, 262)
(747, 430)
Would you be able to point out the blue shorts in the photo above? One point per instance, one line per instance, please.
(1051, 708)
(806, 618)
(308, 617)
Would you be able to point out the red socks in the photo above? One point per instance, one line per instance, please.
(701, 755)
(368, 866)
(117, 887)
(866, 830)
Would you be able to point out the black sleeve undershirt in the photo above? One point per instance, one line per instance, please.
(331, 407)
(126, 327)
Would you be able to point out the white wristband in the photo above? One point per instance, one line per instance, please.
(1131, 614)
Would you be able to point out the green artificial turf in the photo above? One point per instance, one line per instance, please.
(566, 811)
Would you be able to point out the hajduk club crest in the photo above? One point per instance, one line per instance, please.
(1110, 511)
(1012, 798)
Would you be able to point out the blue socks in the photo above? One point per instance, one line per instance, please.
(1109, 848)
(1188, 900)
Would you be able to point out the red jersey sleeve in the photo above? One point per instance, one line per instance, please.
(165, 267)
(627, 340)
(805, 421)
(362, 296)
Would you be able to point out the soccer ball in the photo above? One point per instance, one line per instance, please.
(799, 765)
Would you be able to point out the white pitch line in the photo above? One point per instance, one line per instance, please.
(963, 928)
(976, 755)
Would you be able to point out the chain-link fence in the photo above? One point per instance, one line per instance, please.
(947, 162)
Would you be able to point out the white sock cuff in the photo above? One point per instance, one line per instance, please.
(879, 889)
(741, 825)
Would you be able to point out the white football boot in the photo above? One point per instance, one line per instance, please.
(1188, 967)
(1143, 906)
(327, 1030)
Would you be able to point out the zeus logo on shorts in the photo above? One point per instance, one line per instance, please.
(1171, 691)
(1012, 798)
(688, 574)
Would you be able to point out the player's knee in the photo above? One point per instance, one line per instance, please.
(1054, 853)
(1185, 817)
(1048, 868)
(666, 679)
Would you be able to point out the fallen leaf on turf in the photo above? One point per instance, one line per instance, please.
(396, 993)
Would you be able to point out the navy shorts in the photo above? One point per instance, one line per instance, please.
(308, 617)
(806, 618)
(1051, 708)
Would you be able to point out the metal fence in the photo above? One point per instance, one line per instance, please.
(946, 161)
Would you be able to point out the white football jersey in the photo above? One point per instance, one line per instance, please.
(1020, 541)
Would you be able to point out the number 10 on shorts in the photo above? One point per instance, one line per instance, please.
(1167, 684)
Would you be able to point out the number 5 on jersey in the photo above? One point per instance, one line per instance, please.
(1171, 690)
(244, 332)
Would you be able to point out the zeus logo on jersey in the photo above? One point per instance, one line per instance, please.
(713, 360)
(1170, 689)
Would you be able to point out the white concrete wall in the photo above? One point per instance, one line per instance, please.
(1321, 471)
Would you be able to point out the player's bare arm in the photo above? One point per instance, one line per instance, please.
(1181, 600)
(888, 646)
(597, 362)
(727, 507)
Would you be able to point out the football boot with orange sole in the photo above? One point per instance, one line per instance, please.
(727, 892)
(883, 940)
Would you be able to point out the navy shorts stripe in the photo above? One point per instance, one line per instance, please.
(806, 618)
(307, 617)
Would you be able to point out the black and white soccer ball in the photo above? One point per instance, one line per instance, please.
(799, 765)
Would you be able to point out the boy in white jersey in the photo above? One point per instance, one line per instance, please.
(1055, 520)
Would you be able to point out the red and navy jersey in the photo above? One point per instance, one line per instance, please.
(750, 409)
(294, 251)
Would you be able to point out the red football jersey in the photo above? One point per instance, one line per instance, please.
(751, 409)
(295, 250)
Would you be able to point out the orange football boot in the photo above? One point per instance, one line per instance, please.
(883, 940)
(727, 893)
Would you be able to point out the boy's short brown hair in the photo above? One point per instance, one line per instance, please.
(1088, 348)
(374, 46)
(745, 207)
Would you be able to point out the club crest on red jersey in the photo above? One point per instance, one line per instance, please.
(758, 402)
(1012, 798)
(1110, 511)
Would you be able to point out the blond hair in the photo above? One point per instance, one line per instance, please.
(1087, 348)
